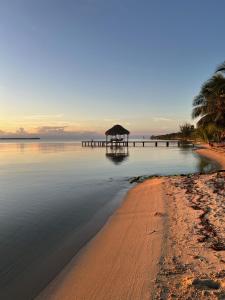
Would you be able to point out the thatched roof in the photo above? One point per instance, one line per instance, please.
(117, 129)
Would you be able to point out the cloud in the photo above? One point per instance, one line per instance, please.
(51, 130)
(64, 132)
(43, 117)
(61, 132)
(21, 131)
(162, 119)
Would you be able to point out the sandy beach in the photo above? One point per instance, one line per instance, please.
(193, 264)
(166, 241)
(121, 262)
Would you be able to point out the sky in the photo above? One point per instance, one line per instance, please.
(77, 67)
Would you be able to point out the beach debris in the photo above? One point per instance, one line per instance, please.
(153, 231)
(201, 258)
(206, 284)
(218, 245)
(134, 179)
(139, 179)
(160, 214)
(202, 200)
(178, 269)
(220, 274)
(191, 276)
(221, 295)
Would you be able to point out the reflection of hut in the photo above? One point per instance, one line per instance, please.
(117, 135)
(117, 154)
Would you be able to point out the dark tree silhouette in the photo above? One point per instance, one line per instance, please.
(187, 130)
(221, 67)
(209, 104)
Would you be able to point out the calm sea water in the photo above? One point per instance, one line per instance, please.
(56, 195)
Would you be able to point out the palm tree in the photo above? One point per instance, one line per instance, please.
(209, 132)
(221, 68)
(209, 104)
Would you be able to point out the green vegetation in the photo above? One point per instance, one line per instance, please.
(169, 136)
(208, 133)
(187, 131)
(209, 107)
(209, 104)
(221, 68)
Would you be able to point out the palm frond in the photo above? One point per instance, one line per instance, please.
(205, 120)
(198, 100)
(221, 68)
(209, 104)
(199, 111)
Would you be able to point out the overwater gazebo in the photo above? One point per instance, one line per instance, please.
(117, 135)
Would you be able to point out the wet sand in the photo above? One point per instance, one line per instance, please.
(121, 262)
(166, 241)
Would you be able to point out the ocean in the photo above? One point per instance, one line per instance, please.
(55, 196)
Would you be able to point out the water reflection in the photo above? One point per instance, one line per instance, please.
(41, 147)
(205, 165)
(117, 154)
(56, 195)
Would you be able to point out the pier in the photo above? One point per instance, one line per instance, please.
(118, 136)
(136, 143)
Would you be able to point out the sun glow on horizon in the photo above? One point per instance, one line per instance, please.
(60, 125)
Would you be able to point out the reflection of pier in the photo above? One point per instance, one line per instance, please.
(117, 154)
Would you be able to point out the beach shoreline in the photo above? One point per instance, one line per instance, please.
(123, 260)
(212, 153)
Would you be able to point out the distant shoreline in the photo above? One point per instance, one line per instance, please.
(20, 138)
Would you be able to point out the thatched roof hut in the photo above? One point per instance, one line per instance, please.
(117, 130)
(118, 134)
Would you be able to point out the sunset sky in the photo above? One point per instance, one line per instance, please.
(80, 66)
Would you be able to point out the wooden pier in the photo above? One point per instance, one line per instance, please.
(130, 143)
